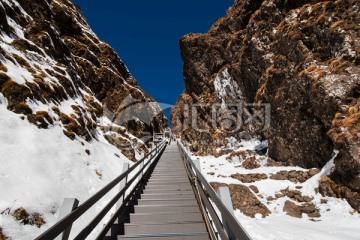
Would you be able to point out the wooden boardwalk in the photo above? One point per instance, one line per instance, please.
(167, 209)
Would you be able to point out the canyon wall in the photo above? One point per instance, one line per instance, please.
(300, 57)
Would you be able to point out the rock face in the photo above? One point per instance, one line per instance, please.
(301, 57)
(244, 200)
(294, 210)
(54, 70)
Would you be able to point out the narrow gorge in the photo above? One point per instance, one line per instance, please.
(201, 127)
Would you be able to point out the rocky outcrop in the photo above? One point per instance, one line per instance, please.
(294, 176)
(244, 200)
(329, 188)
(55, 70)
(302, 58)
(294, 210)
(249, 178)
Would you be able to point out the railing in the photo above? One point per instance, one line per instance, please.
(226, 227)
(65, 223)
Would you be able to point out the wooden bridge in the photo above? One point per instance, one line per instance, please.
(168, 199)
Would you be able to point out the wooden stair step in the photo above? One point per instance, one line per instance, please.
(167, 197)
(165, 228)
(167, 202)
(191, 236)
(165, 209)
(144, 218)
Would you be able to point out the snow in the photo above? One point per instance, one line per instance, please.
(226, 86)
(338, 220)
(19, 74)
(277, 227)
(59, 168)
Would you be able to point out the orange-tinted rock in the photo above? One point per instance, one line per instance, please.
(302, 57)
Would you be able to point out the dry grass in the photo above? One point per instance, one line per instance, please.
(338, 65)
(261, 91)
(75, 126)
(186, 98)
(22, 108)
(23, 46)
(62, 72)
(69, 134)
(3, 68)
(65, 119)
(242, 154)
(311, 68)
(14, 92)
(3, 236)
(35, 219)
(3, 78)
(270, 71)
(216, 133)
(351, 120)
(41, 118)
(313, 71)
(321, 19)
(353, 109)
(21, 61)
(319, 74)
(346, 127)
(56, 109)
(251, 163)
(336, 25)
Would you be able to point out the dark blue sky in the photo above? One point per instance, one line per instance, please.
(145, 34)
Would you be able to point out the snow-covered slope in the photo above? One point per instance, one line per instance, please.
(41, 167)
(335, 219)
(62, 127)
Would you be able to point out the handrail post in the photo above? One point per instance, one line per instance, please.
(152, 148)
(69, 205)
(225, 197)
(197, 164)
(122, 184)
(141, 174)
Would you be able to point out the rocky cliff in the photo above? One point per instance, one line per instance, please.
(55, 71)
(302, 58)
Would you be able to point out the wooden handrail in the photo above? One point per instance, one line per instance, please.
(68, 220)
(227, 216)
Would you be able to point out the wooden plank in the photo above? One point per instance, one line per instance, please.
(166, 202)
(167, 191)
(200, 236)
(170, 186)
(154, 182)
(165, 228)
(165, 217)
(167, 197)
(169, 178)
(165, 209)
